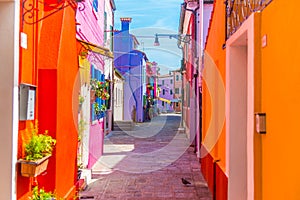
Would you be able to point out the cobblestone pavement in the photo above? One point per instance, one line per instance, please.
(148, 164)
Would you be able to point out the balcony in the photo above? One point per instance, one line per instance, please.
(237, 11)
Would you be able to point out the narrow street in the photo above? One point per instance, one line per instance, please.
(148, 163)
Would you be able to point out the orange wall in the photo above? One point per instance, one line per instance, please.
(280, 93)
(27, 74)
(280, 100)
(215, 41)
(54, 73)
(58, 64)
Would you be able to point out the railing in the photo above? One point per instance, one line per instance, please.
(237, 11)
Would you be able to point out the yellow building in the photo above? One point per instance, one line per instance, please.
(256, 149)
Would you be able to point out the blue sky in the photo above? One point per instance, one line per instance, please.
(150, 17)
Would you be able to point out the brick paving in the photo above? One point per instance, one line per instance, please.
(148, 164)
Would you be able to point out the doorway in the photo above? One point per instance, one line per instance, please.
(240, 63)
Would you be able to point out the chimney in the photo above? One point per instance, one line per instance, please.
(125, 23)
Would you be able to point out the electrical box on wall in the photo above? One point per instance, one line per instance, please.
(27, 101)
(261, 123)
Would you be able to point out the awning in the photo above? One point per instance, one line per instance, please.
(175, 100)
(165, 100)
(97, 49)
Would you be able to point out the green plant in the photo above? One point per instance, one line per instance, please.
(41, 194)
(81, 99)
(81, 128)
(40, 145)
(99, 109)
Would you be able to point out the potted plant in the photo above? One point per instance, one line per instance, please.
(37, 152)
(81, 100)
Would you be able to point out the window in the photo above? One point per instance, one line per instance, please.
(171, 81)
(95, 73)
(164, 91)
(177, 77)
(171, 91)
(163, 82)
(176, 90)
(163, 103)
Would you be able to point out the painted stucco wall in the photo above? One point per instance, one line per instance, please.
(133, 94)
(90, 21)
(118, 97)
(166, 83)
(207, 9)
(58, 67)
(177, 84)
(280, 89)
(129, 63)
(50, 63)
(9, 72)
(275, 153)
(90, 28)
(109, 7)
(214, 66)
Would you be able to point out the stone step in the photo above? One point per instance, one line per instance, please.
(123, 125)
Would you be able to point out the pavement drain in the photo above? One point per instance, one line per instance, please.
(86, 197)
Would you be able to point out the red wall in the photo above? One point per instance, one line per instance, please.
(215, 177)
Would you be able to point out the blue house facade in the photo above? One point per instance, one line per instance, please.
(130, 62)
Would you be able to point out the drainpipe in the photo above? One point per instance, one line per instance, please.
(182, 68)
(215, 179)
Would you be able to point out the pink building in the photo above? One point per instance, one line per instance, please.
(193, 12)
(92, 57)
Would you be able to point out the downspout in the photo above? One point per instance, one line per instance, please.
(182, 68)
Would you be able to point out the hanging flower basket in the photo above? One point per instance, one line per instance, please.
(100, 89)
(34, 168)
(37, 153)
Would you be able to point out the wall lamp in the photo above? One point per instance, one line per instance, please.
(180, 37)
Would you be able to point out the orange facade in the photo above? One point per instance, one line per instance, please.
(280, 89)
(50, 63)
(213, 171)
(271, 86)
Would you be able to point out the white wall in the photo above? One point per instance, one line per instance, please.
(9, 65)
(118, 99)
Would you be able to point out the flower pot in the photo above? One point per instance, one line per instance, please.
(93, 96)
(79, 107)
(34, 168)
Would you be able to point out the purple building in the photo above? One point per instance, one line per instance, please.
(166, 93)
(129, 62)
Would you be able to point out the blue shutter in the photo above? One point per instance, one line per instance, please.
(95, 5)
